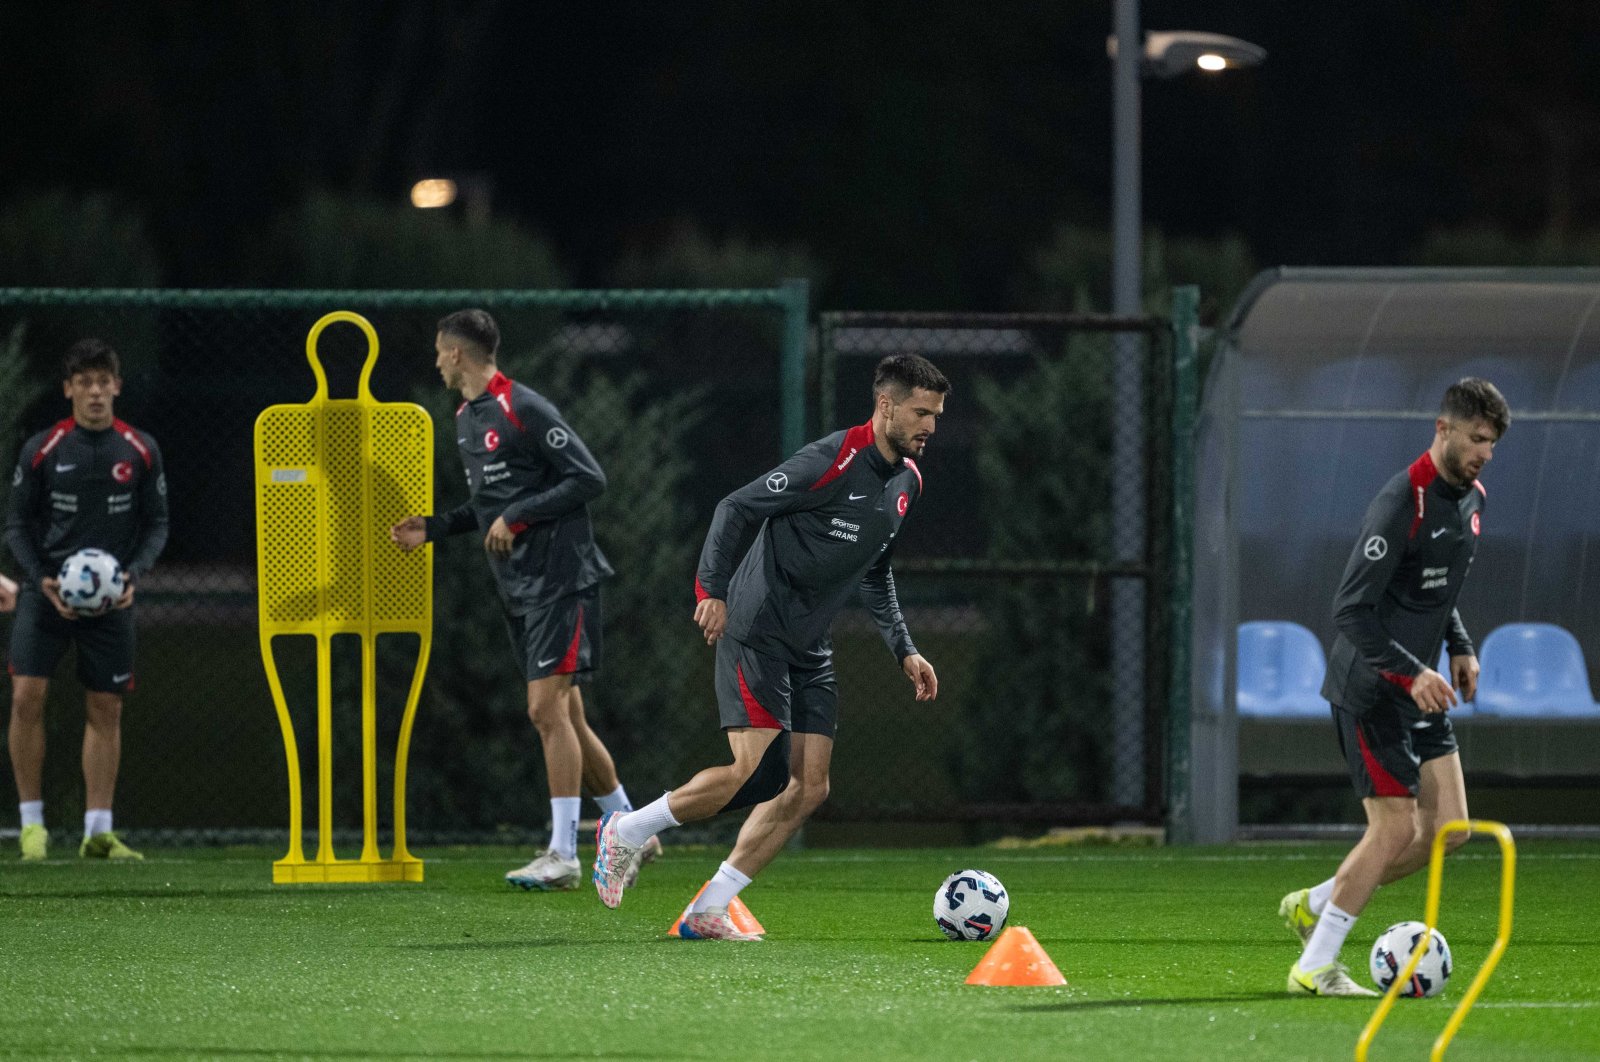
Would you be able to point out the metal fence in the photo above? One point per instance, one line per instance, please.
(1006, 572)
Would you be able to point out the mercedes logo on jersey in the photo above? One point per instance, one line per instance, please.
(556, 437)
(777, 481)
(1375, 548)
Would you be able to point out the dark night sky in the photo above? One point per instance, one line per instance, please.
(921, 151)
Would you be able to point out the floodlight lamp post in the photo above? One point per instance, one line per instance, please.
(1163, 54)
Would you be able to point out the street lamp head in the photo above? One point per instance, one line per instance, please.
(1169, 53)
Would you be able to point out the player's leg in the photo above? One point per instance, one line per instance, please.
(26, 736)
(1385, 771)
(105, 666)
(772, 823)
(1441, 798)
(544, 642)
(753, 696)
(38, 639)
(557, 867)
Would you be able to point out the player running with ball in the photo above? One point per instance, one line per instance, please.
(1395, 607)
(824, 523)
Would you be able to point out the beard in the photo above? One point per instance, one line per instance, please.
(904, 443)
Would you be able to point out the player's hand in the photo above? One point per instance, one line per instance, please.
(712, 616)
(8, 595)
(920, 672)
(1432, 693)
(126, 600)
(1464, 675)
(51, 588)
(409, 533)
(499, 539)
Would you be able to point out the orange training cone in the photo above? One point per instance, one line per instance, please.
(1015, 959)
(738, 914)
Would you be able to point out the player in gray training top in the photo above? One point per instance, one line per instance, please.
(531, 480)
(91, 481)
(1395, 607)
(825, 522)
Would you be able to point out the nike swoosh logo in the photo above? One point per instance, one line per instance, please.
(547, 663)
(122, 678)
(65, 468)
(1439, 532)
(857, 497)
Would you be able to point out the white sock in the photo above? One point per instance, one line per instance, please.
(1319, 896)
(637, 827)
(721, 889)
(96, 821)
(1333, 925)
(616, 800)
(32, 812)
(564, 826)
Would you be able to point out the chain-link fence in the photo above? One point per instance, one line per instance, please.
(1006, 573)
(679, 394)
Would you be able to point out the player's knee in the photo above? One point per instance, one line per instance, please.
(1455, 840)
(810, 791)
(103, 709)
(770, 777)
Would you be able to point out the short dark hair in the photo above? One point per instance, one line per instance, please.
(900, 374)
(90, 355)
(482, 335)
(1471, 398)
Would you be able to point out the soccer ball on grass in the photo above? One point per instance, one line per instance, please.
(1392, 950)
(91, 582)
(971, 905)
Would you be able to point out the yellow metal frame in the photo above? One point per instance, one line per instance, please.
(332, 476)
(1508, 878)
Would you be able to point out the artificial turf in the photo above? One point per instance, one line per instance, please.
(1169, 954)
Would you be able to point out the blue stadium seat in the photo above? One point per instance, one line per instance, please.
(1532, 670)
(1281, 666)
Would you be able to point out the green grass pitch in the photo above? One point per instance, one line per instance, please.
(1170, 954)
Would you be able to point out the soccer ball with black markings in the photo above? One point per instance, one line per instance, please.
(91, 582)
(1392, 950)
(971, 905)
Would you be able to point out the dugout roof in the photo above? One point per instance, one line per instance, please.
(1325, 383)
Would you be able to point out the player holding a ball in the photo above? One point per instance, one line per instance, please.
(88, 481)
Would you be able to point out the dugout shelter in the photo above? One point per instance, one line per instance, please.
(1325, 383)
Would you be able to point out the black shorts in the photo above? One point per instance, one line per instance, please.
(1385, 749)
(765, 692)
(563, 639)
(39, 638)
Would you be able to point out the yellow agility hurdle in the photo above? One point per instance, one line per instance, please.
(1508, 877)
(332, 476)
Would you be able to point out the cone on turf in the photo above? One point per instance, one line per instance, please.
(738, 914)
(1015, 958)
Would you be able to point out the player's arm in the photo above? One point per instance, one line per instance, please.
(1373, 562)
(785, 489)
(579, 478)
(1463, 657)
(23, 533)
(8, 594)
(877, 592)
(411, 532)
(153, 523)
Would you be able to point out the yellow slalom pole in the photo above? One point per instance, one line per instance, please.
(1508, 876)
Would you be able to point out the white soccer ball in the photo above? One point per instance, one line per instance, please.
(1392, 950)
(971, 905)
(91, 582)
